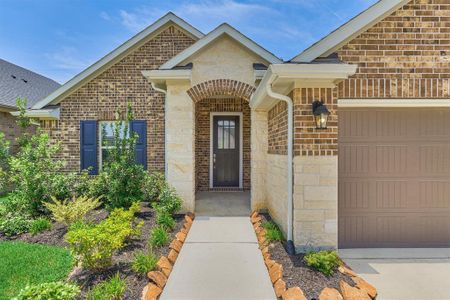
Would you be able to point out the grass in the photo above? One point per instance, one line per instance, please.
(273, 232)
(3, 198)
(23, 264)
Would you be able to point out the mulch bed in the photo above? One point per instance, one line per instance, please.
(121, 260)
(297, 273)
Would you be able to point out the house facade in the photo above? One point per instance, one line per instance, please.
(17, 82)
(218, 112)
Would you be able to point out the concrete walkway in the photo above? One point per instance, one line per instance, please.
(413, 274)
(220, 259)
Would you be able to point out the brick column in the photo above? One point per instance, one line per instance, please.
(315, 172)
(180, 139)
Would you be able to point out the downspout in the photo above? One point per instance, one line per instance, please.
(165, 123)
(290, 248)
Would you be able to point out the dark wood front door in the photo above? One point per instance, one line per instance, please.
(226, 151)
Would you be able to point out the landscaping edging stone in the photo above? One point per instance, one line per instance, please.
(362, 289)
(158, 278)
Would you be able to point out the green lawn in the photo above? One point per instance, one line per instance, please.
(22, 264)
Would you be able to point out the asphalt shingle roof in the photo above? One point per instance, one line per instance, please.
(18, 82)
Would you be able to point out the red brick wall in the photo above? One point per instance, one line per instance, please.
(406, 55)
(111, 90)
(203, 108)
(11, 130)
(277, 129)
(308, 140)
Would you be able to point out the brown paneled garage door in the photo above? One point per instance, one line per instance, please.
(394, 177)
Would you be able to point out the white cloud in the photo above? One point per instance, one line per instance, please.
(105, 16)
(205, 15)
(67, 58)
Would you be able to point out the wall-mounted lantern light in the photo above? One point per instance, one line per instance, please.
(321, 113)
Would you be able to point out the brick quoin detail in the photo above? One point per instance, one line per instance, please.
(221, 87)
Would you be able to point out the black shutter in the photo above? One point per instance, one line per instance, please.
(140, 127)
(88, 146)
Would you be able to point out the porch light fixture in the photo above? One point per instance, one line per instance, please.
(321, 113)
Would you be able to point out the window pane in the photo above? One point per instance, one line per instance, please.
(220, 136)
(104, 155)
(226, 140)
(232, 137)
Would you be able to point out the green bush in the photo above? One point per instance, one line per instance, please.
(49, 291)
(112, 289)
(4, 165)
(68, 212)
(158, 237)
(273, 232)
(153, 186)
(144, 262)
(165, 220)
(94, 244)
(39, 225)
(13, 224)
(122, 176)
(325, 262)
(169, 202)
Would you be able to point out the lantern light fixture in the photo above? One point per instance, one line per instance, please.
(321, 113)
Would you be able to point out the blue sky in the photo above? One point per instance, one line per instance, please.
(60, 38)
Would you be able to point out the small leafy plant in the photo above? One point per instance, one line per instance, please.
(144, 262)
(325, 262)
(165, 220)
(158, 237)
(49, 291)
(273, 232)
(13, 224)
(112, 289)
(39, 225)
(154, 184)
(70, 211)
(95, 244)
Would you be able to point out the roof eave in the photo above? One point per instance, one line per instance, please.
(289, 76)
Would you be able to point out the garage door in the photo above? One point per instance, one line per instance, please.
(394, 178)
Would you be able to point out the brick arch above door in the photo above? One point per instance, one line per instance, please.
(221, 87)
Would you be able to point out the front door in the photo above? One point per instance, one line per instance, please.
(226, 151)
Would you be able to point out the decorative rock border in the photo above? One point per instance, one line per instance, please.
(362, 290)
(158, 278)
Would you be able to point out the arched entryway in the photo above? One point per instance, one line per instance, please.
(222, 135)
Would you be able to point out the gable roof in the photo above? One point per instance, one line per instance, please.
(223, 29)
(18, 82)
(350, 30)
(116, 55)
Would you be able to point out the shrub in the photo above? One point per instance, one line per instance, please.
(112, 289)
(153, 186)
(68, 212)
(158, 237)
(144, 262)
(122, 176)
(325, 262)
(49, 291)
(169, 202)
(165, 220)
(13, 224)
(39, 225)
(94, 244)
(4, 166)
(273, 232)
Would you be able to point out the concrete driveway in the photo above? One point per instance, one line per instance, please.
(403, 273)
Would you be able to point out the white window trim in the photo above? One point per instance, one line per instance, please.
(241, 146)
